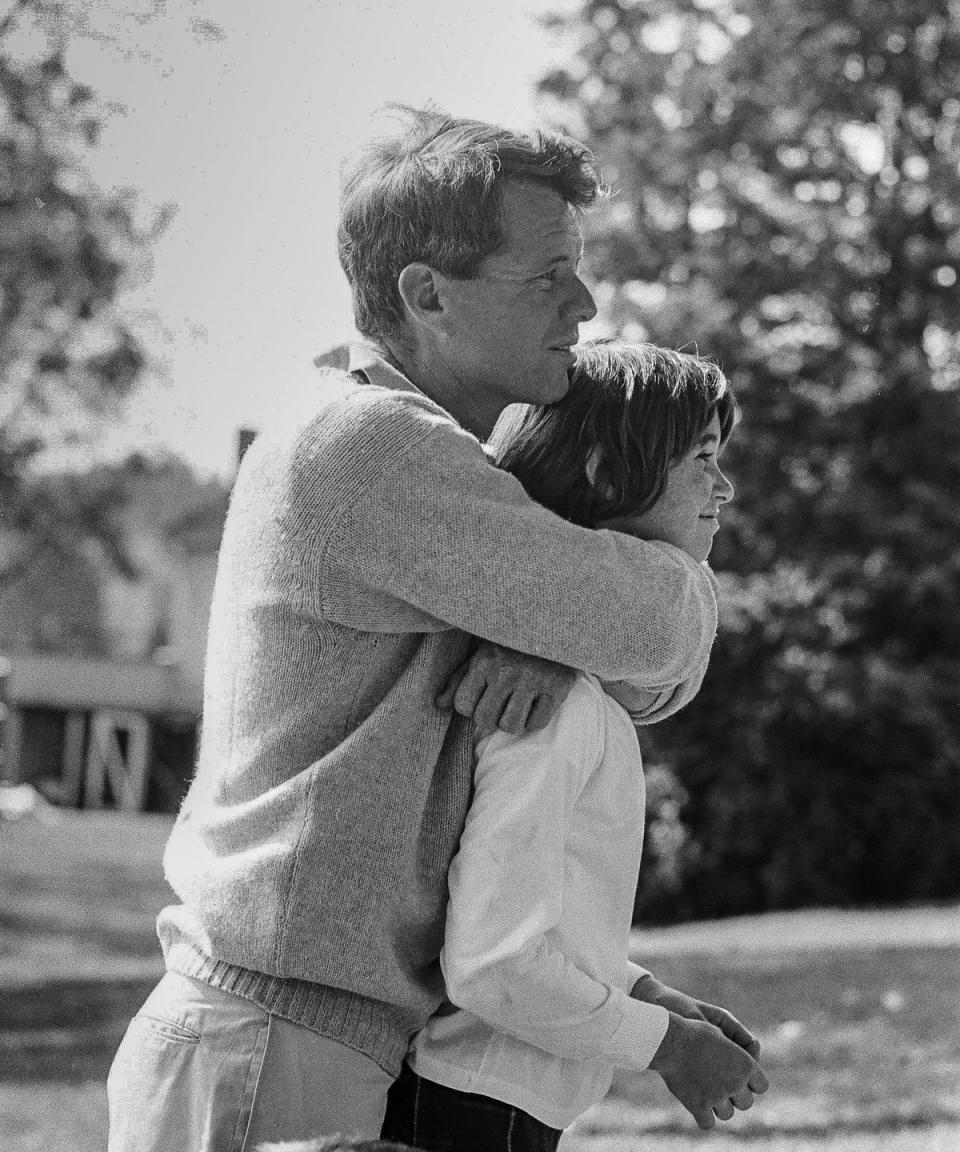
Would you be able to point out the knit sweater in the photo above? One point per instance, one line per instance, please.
(364, 546)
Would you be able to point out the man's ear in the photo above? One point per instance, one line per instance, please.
(418, 289)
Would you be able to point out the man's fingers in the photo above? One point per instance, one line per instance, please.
(486, 713)
(498, 688)
(446, 697)
(513, 717)
(742, 1099)
(543, 710)
(705, 1118)
(723, 1110)
(758, 1081)
(469, 693)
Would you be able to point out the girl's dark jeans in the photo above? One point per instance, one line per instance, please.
(436, 1119)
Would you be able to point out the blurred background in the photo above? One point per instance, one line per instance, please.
(786, 199)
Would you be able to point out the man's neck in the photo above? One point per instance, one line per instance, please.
(467, 409)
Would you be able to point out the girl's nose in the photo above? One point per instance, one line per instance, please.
(722, 488)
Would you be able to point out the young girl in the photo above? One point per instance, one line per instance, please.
(544, 1003)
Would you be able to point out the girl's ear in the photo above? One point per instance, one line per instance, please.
(593, 463)
(594, 471)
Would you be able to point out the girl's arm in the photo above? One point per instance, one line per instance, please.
(500, 959)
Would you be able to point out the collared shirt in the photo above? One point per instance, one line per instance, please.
(541, 896)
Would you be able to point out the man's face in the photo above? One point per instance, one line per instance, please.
(509, 329)
(687, 514)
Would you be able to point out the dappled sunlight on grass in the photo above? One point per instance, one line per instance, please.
(862, 1048)
(79, 897)
(940, 1138)
(857, 1012)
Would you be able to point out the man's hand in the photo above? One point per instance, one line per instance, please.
(649, 989)
(500, 688)
(709, 1074)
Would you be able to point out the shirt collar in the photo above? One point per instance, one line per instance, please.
(369, 361)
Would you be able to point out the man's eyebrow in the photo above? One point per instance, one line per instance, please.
(709, 438)
(564, 258)
(551, 264)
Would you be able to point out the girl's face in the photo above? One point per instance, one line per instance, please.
(687, 514)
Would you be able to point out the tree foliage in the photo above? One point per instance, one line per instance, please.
(66, 357)
(151, 510)
(787, 197)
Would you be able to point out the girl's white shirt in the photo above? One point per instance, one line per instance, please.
(535, 956)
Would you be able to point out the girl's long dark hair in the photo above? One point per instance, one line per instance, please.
(604, 450)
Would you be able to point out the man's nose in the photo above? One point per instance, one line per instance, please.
(581, 303)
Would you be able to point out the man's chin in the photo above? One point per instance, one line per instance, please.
(560, 388)
(550, 387)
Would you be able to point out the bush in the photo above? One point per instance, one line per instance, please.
(812, 771)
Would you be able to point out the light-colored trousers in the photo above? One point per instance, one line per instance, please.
(208, 1071)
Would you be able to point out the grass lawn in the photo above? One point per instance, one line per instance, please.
(858, 1013)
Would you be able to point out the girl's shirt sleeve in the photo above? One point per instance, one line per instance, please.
(500, 959)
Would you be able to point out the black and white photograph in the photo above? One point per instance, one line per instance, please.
(480, 576)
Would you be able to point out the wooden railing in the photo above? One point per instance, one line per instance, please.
(108, 707)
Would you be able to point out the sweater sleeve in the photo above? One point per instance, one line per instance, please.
(405, 511)
(645, 706)
(500, 959)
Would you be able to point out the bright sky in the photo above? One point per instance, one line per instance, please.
(239, 114)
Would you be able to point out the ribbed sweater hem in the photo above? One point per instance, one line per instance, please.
(378, 1030)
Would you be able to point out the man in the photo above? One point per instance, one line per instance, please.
(363, 550)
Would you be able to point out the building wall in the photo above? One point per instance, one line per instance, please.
(164, 614)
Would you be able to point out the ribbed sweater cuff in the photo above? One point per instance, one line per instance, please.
(378, 1030)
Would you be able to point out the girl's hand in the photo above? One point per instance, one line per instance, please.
(649, 989)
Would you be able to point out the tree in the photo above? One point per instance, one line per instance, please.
(66, 358)
(787, 198)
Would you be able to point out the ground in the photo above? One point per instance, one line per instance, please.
(858, 1012)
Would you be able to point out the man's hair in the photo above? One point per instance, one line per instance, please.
(432, 193)
(604, 450)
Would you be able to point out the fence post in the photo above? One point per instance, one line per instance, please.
(8, 757)
(126, 772)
